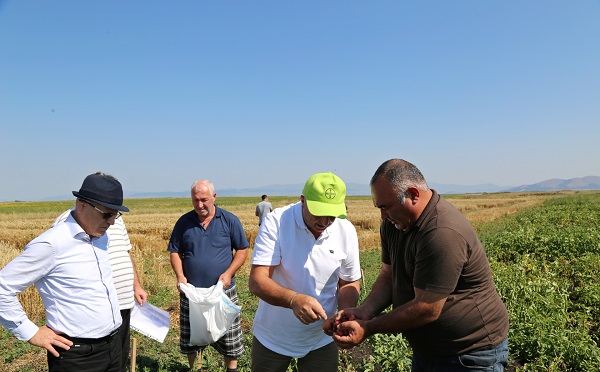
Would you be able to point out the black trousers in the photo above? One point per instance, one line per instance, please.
(101, 356)
(124, 336)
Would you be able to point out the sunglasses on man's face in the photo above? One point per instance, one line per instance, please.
(105, 215)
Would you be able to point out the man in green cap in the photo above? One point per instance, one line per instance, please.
(305, 266)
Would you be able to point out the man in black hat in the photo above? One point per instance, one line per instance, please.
(127, 283)
(69, 266)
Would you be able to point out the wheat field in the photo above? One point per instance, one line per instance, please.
(151, 220)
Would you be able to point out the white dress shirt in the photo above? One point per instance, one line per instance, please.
(73, 276)
(120, 261)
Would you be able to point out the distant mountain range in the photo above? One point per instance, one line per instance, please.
(555, 184)
(355, 189)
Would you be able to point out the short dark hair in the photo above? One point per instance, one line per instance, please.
(263, 197)
(401, 175)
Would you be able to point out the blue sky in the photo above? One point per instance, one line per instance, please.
(256, 93)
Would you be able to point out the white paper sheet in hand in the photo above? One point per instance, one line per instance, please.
(150, 321)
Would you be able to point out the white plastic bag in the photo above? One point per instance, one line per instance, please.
(211, 313)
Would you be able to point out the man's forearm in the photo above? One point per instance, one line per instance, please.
(238, 260)
(177, 266)
(348, 295)
(380, 296)
(407, 316)
(136, 279)
(425, 308)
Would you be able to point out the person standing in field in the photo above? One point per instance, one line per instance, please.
(127, 284)
(436, 276)
(263, 208)
(202, 248)
(69, 266)
(305, 266)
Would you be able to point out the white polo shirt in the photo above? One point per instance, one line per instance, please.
(306, 265)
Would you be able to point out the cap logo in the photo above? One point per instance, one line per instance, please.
(330, 193)
(324, 194)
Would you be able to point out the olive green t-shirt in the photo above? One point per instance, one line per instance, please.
(442, 253)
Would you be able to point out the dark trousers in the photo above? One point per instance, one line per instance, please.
(101, 356)
(492, 360)
(124, 336)
(324, 359)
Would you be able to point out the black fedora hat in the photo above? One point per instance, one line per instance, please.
(104, 190)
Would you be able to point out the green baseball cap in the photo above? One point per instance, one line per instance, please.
(325, 194)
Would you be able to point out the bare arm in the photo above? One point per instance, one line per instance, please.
(348, 293)
(139, 293)
(265, 288)
(238, 260)
(380, 296)
(306, 308)
(425, 308)
(177, 266)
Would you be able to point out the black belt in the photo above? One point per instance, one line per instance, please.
(80, 340)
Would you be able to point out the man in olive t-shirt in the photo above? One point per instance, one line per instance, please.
(436, 276)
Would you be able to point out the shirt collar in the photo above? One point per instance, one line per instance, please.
(194, 216)
(435, 197)
(300, 221)
(218, 212)
(76, 230)
(297, 208)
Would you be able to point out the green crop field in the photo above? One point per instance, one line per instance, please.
(544, 250)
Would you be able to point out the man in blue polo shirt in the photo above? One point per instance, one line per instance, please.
(202, 249)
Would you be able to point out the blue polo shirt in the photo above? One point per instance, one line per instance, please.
(206, 254)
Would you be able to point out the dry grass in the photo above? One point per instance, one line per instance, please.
(482, 208)
(31, 362)
(151, 220)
